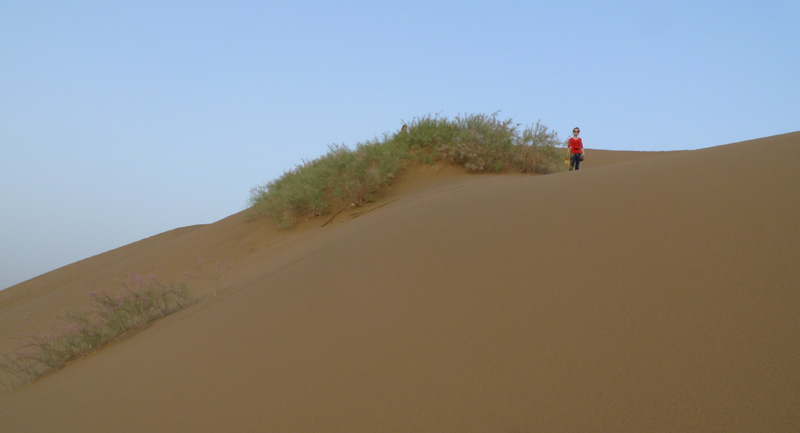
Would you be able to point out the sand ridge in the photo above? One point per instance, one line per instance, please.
(647, 293)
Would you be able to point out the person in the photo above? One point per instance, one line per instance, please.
(404, 129)
(575, 146)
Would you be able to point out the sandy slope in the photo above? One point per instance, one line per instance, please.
(646, 294)
(183, 251)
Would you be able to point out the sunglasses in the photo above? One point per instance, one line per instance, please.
(576, 130)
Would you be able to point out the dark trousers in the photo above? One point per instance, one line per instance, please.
(575, 161)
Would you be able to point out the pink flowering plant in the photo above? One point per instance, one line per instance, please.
(209, 272)
(110, 316)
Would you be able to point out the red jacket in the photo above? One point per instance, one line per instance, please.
(575, 145)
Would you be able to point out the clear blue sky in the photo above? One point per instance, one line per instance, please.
(122, 120)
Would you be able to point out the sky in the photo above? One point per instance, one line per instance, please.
(123, 120)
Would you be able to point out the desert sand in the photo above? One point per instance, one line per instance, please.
(647, 292)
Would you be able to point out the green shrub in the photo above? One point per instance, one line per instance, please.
(80, 333)
(351, 177)
(341, 175)
(537, 150)
(299, 190)
(480, 143)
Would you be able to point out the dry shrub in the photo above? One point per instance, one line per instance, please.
(75, 334)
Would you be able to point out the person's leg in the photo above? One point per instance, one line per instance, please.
(577, 161)
(572, 162)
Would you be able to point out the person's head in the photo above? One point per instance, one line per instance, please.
(404, 128)
(576, 131)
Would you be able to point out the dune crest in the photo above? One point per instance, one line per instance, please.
(645, 293)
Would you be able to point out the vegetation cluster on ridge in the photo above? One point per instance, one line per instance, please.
(478, 142)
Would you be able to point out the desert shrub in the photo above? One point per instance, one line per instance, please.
(340, 175)
(429, 132)
(370, 167)
(537, 150)
(298, 189)
(141, 300)
(478, 142)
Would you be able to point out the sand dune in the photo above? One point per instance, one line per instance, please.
(644, 293)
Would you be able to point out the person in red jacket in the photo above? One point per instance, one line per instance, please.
(575, 145)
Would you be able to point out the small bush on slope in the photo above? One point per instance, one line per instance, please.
(342, 174)
(81, 333)
(479, 142)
